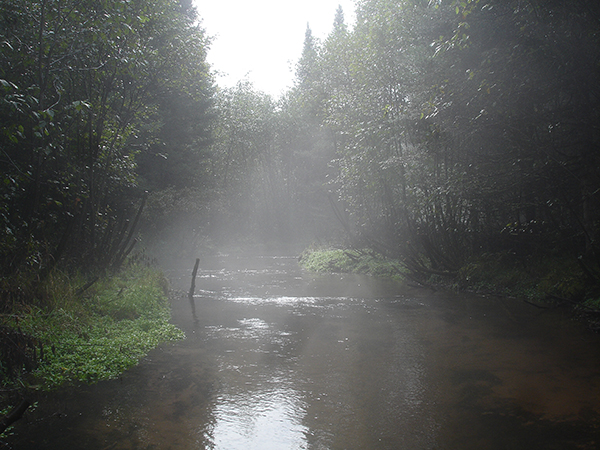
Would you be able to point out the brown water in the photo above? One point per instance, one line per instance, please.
(279, 359)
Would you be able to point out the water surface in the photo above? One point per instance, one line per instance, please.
(280, 359)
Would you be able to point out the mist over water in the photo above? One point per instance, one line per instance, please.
(280, 359)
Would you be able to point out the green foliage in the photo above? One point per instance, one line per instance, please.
(87, 90)
(451, 119)
(563, 279)
(332, 260)
(99, 351)
(533, 277)
(267, 170)
(121, 319)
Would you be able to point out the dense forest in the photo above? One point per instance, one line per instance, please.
(436, 133)
(449, 135)
(92, 91)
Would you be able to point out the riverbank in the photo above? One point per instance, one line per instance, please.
(336, 260)
(82, 334)
(279, 358)
(543, 281)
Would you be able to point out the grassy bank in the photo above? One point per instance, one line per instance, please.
(73, 336)
(548, 281)
(532, 277)
(334, 260)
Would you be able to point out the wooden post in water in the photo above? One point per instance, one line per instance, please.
(192, 288)
(194, 272)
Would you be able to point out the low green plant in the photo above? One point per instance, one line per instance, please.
(3, 412)
(503, 273)
(535, 277)
(97, 337)
(333, 260)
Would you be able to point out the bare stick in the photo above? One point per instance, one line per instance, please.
(193, 287)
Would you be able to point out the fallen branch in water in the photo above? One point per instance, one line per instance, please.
(537, 305)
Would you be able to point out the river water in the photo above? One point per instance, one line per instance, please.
(279, 359)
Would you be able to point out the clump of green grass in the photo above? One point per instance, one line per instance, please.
(332, 260)
(98, 336)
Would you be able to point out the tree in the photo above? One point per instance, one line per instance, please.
(243, 150)
(83, 86)
(479, 140)
(374, 99)
(523, 113)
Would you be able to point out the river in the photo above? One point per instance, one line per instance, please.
(279, 359)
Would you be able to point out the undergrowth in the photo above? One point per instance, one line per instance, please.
(333, 260)
(533, 277)
(87, 336)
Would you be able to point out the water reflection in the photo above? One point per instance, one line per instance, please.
(278, 359)
(257, 408)
(332, 372)
(258, 419)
